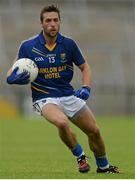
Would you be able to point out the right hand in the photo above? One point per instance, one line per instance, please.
(22, 78)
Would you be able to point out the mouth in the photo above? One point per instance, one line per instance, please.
(53, 30)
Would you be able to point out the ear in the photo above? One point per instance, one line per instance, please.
(41, 24)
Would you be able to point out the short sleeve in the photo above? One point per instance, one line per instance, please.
(22, 53)
(78, 58)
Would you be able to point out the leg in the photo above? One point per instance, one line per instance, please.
(87, 123)
(54, 115)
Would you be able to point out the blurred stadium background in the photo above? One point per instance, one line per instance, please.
(105, 32)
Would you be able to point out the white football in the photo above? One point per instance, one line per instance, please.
(26, 64)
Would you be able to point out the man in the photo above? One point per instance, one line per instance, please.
(53, 96)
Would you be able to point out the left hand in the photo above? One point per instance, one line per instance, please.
(83, 93)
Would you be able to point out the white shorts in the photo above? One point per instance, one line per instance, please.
(70, 105)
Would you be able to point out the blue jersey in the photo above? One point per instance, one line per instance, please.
(55, 65)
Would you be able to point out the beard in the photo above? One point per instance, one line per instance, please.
(51, 34)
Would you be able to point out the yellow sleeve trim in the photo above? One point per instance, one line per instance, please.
(38, 53)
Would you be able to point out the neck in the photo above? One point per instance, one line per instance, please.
(49, 40)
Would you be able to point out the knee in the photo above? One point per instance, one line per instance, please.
(94, 133)
(62, 123)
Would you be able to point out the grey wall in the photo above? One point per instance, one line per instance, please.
(105, 32)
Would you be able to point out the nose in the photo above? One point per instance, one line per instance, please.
(52, 23)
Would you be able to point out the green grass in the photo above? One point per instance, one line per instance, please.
(31, 149)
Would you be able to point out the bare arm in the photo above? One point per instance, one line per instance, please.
(10, 70)
(86, 74)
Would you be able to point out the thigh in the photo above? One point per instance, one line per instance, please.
(54, 114)
(86, 121)
(71, 105)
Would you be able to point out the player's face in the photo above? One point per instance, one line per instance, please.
(50, 24)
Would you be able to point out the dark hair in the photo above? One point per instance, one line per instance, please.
(51, 8)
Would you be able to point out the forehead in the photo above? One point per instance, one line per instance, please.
(50, 15)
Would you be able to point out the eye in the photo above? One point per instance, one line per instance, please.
(48, 20)
(56, 20)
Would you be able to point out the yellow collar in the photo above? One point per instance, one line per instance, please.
(50, 48)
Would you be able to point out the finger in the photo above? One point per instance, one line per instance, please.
(21, 78)
(25, 73)
(15, 70)
(24, 78)
(77, 94)
(86, 96)
(25, 81)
